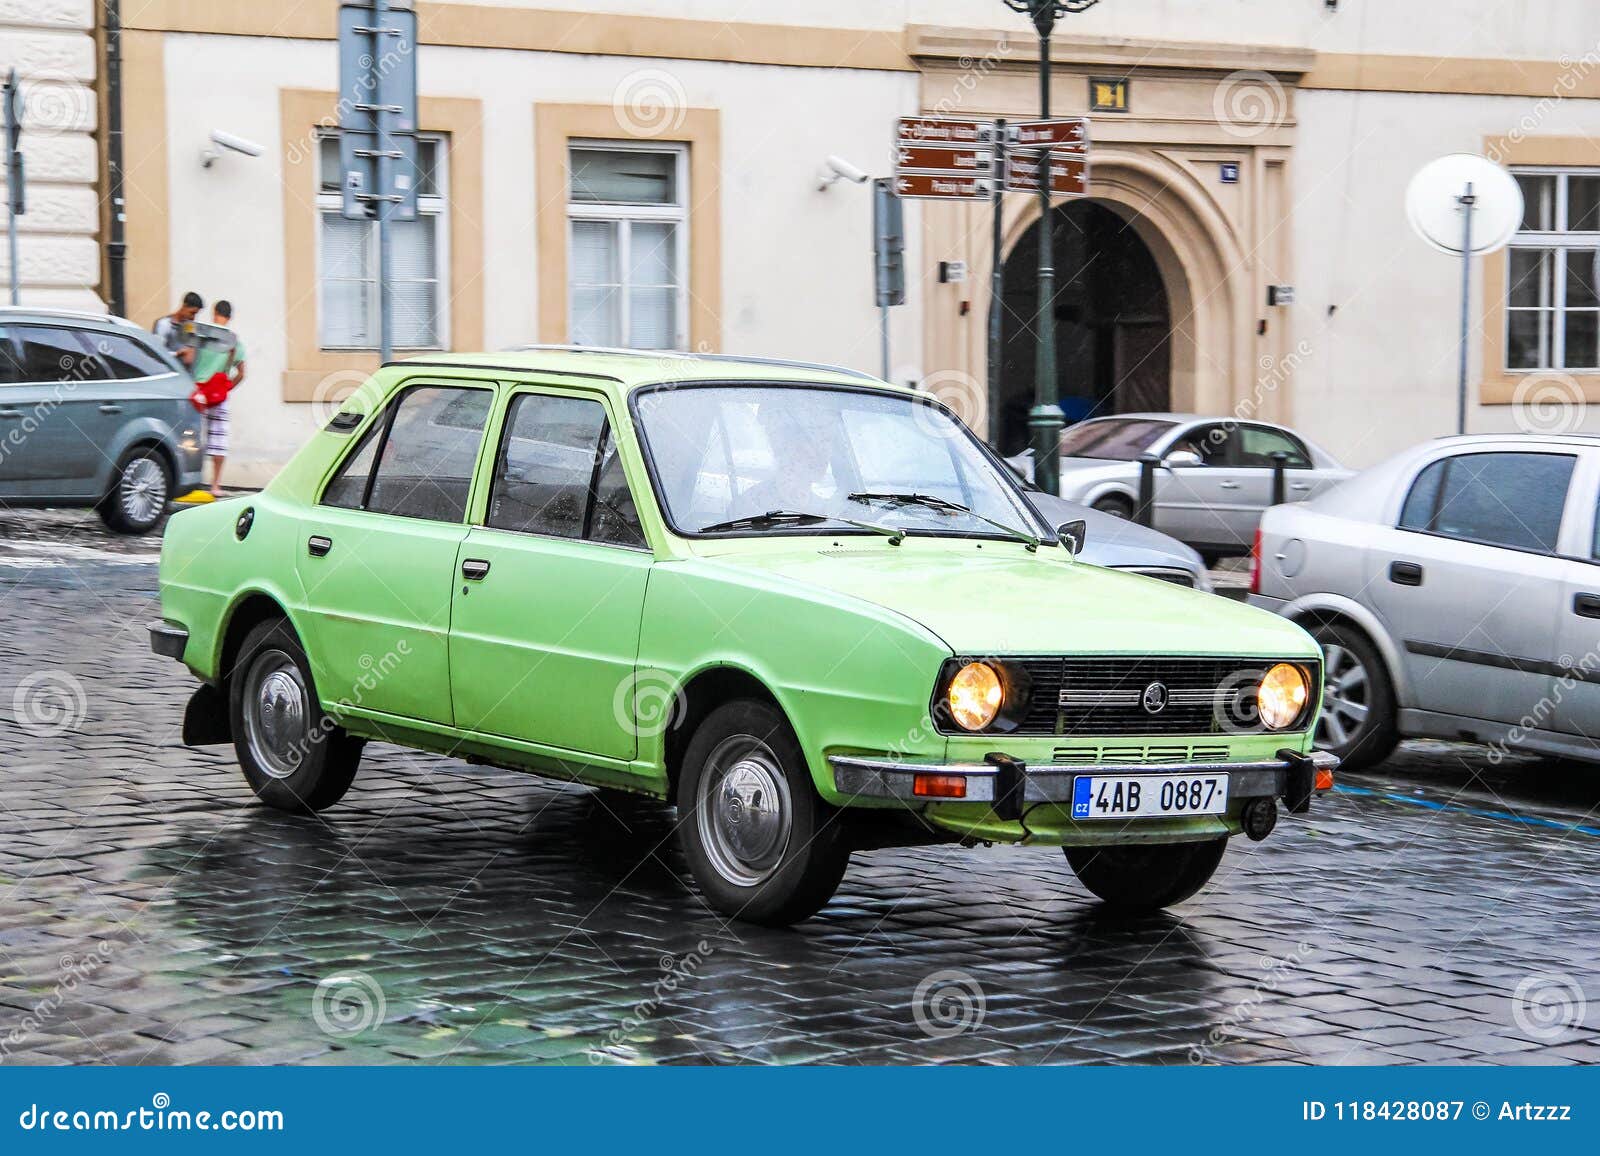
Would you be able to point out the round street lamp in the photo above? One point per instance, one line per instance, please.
(1045, 419)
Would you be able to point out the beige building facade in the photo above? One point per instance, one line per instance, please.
(648, 174)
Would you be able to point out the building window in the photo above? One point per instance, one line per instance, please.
(627, 244)
(1553, 306)
(347, 260)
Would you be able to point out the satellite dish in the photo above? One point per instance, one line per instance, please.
(1436, 212)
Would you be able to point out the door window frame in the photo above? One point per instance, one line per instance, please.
(1563, 529)
(500, 430)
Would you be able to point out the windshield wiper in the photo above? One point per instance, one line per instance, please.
(798, 518)
(934, 502)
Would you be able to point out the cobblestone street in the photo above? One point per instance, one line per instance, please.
(150, 912)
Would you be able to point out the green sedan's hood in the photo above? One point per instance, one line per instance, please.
(999, 599)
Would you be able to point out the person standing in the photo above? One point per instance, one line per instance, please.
(170, 329)
(224, 356)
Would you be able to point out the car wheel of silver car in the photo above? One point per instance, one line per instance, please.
(1357, 722)
(1146, 876)
(760, 841)
(292, 755)
(1115, 505)
(141, 486)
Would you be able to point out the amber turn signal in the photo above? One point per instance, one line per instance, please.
(940, 786)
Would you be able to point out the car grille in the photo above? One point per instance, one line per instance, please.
(1090, 697)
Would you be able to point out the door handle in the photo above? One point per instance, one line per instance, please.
(1405, 573)
(110, 408)
(318, 545)
(474, 569)
(1586, 605)
(10, 413)
(1229, 485)
(1299, 485)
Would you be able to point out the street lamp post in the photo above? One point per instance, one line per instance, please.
(1044, 419)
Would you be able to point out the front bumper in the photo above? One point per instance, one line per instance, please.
(168, 640)
(1007, 783)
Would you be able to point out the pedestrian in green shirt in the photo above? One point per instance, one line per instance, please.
(219, 356)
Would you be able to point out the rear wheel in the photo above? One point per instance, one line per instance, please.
(141, 484)
(1146, 876)
(1357, 722)
(1115, 505)
(292, 755)
(760, 841)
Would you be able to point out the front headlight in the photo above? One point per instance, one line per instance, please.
(1281, 698)
(975, 696)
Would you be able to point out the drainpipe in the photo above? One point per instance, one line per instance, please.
(116, 245)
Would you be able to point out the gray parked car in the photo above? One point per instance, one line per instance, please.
(1214, 479)
(93, 412)
(1456, 592)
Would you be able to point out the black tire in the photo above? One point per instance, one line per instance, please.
(771, 850)
(292, 755)
(141, 488)
(1139, 877)
(1371, 691)
(1115, 505)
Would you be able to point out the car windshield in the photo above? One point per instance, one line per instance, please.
(1120, 439)
(818, 459)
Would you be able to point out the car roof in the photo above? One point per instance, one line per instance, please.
(44, 316)
(631, 369)
(1588, 440)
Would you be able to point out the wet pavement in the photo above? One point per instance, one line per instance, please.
(1438, 911)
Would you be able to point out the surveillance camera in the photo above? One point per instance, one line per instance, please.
(835, 168)
(230, 142)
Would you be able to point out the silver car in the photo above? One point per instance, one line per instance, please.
(93, 412)
(1214, 479)
(1456, 592)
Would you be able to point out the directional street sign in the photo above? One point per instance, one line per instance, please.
(942, 188)
(932, 158)
(1068, 134)
(941, 130)
(1069, 173)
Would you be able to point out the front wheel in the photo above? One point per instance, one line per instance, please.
(1146, 876)
(292, 755)
(762, 844)
(1115, 505)
(1357, 722)
(140, 487)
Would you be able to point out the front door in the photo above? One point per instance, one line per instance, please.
(1470, 582)
(377, 555)
(550, 588)
(1189, 497)
(55, 412)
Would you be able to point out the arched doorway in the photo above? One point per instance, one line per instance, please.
(1113, 320)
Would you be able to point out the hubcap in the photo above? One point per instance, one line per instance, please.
(276, 713)
(744, 811)
(1345, 700)
(143, 492)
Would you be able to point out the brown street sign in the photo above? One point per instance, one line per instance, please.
(938, 130)
(1069, 174)
(942, 188)
(943, 160)
(1069, 134)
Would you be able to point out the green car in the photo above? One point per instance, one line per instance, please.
(808, 607)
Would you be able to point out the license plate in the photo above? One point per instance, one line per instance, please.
(1148, 796)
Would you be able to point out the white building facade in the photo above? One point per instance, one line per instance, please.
(648, 175)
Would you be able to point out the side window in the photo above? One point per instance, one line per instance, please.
(1417, 514)
(425, 463)
(10, 368)
(1508, 499)
(559, 474)
(348, 489)
(1257, 445)
(50, 354)
(125, 357)
(1213, 443)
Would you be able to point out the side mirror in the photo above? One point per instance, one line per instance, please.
(1179, 459)
(1073, 535)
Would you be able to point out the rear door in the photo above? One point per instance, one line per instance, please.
(1577, 693)
(550, 586)
(1470, 581)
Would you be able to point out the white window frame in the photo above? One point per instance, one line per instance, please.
(676, 214)
(1557, 242)
(432, 205)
